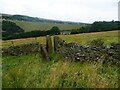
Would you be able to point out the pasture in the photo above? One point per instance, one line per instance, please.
(83, 39)
(30, 71)
(31, 26)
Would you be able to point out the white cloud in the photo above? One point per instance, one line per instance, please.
(69, 10)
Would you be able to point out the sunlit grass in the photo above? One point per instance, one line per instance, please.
(7, 43)
(83, 39)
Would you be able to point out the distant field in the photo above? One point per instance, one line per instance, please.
(82, 39)
(30, 26)
(7, 43)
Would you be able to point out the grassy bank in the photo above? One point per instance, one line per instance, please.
(31, 72)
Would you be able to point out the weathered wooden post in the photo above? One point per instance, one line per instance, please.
(12, 43)
(36, 39)
(49, 44)
(56, 42)
(44, 53)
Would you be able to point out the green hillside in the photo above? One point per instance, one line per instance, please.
(29, 23)
(30, 26)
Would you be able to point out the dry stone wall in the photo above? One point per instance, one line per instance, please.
(22, 49)
(69, 51)
(76, 52)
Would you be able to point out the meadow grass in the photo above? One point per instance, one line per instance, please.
(8, 43)
(28, 71)
(83, 39)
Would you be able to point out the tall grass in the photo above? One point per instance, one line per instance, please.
(31, 72)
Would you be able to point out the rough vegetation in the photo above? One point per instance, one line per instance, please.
(28, 71)
(89, 66)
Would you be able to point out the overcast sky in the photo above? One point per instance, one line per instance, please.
(86, 11)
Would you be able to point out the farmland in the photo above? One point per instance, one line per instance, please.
(82, 39)
(31, 26)
(30, 71)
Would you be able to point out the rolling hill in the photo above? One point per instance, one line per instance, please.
(30, 26)
(33, 23)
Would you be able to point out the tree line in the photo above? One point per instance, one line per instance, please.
(98, 27)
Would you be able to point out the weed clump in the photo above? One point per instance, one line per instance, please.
(97, 42)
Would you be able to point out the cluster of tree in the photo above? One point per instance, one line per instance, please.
(10, 28)
(98, 27)
(12, 31)
(53, 31)
(105, 26)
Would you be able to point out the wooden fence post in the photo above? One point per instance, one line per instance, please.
(56, 42)
(36, 39)
(12, 43)
(44, 53)
(49, 44)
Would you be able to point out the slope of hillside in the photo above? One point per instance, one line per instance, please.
(34, 23)
(30, 26)
(35, 19)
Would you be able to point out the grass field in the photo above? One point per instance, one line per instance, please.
(31, 72)
(30, 26)
(7, 43)
(83, 39)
